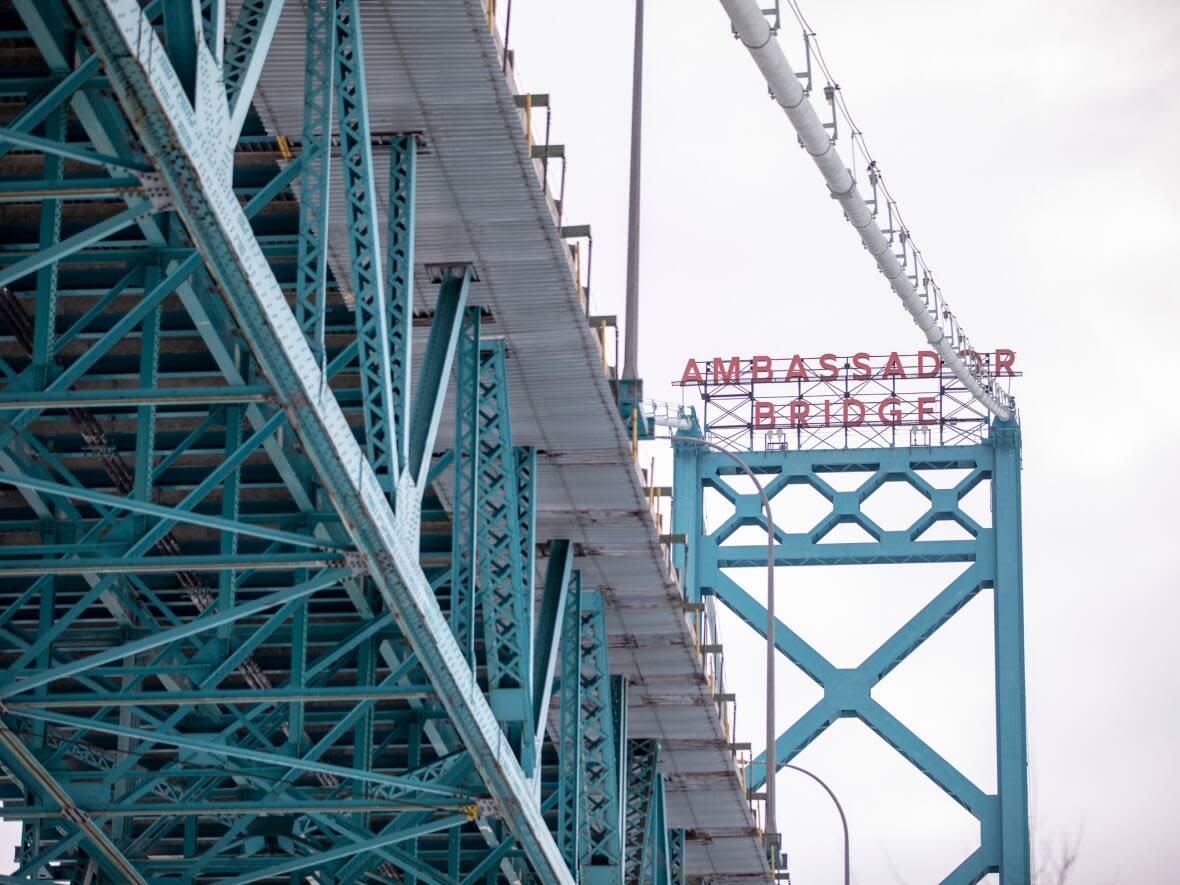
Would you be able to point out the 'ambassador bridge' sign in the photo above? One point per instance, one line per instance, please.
(834, 401)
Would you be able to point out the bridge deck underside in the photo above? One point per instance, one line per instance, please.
(434, 67)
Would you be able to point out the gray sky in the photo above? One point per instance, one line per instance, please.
(1033, 149)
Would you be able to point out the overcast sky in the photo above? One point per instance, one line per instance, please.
(1034, 149)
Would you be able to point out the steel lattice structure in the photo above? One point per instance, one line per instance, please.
(243, 636)
(992, 560)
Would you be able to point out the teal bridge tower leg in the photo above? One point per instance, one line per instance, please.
(992, 560)
(256, 623)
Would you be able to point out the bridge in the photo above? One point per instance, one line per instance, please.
(327, 554)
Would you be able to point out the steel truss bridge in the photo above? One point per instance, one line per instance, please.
(324, 553)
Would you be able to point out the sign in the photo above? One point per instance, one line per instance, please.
(835, 400)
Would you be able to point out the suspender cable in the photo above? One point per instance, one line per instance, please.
(754, 31)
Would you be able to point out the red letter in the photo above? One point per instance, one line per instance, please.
(924, 412)
(978, 360)
(827, 413)
(860, 419)
(799, 410)
(796, 371)
(861, 361)
(893, 367)
(828, 363)
(731, 374)
(1004, 360)
(692, 373)
(763, 414)
(894, 413)
(760, 369)
(924, 355)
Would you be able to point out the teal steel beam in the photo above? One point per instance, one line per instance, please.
(12, 686)
(237, 751)
(45, 315)
(248, 45)
(15, 752)
(603, 756)
(311, 268)
(182, 30)
(325, 694)
(216, 224)
(452, 769)
(505, 601)
(377, 842)
(486, 867)
(213, 27)
(82, 239)
(431, 392)
(571, 787)
(554, 604)
(148, 565)
(25, 190)
(466, 505)
(171, 514)
(640, 810)
(1008, 616)
(657, 855)
(676, 865)
(147, 540)
(34, 114)
(368, 286)
(125, 396)
(399, 276)
(439, 465)
(127, 322)
(148, 811)
(15, 138)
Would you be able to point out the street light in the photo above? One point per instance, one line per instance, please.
(771, 732)
(839, 808)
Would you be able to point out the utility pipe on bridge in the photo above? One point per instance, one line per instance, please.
(754, 31)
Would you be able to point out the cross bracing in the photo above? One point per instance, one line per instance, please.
(266, 599)
(990, 556)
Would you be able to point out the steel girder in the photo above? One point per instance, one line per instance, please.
(505, 577)
(640, 817)
(156, 657)
(991, 558)
(602, 751)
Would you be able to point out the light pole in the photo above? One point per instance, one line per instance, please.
(839, 808)
(771, 732)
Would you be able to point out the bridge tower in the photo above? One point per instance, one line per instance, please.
(991, 557)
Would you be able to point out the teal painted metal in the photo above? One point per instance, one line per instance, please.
(554, 597)
(641, 818)
(368, 287)
(991, 556)
(249, 42)
(311, 268)
(466, 506)
(602, 752)
(505, 604)
(233, 666)
(399, 276)
(436, 372)
(571, 787)
(676, 857)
